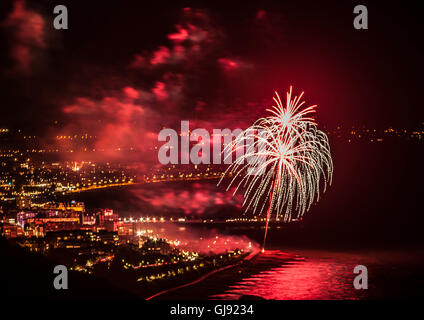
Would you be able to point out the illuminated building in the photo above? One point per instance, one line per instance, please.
(107, 237)
(35, 245)
(23, 202)
(158, 246)
(126, 229)
(88, 220)
(72, 239)
(76, 239)
(49, 220)
(107, 219)
(11, 230)
(24, 215)
(73, 206)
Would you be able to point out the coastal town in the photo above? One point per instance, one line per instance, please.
(99, 243)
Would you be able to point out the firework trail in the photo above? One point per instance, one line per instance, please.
(286, 160)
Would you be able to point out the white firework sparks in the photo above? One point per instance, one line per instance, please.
(286, 156)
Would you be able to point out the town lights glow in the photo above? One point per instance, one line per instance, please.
(291, 161)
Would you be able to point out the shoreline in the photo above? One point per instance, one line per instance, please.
(247, 258)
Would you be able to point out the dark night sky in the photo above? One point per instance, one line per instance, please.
(370, 77)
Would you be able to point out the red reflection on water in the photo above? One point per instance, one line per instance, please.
(297, 278)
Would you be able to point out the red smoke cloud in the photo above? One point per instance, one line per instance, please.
(260, 15)
(138, 62)
(197, 200)
(194, 38)
(133, 116)
(129, 119)
(131, 93)
(116, 121)
(160, 56)
(27, 34)
(159, 91)
(181, 35)
(230, 65)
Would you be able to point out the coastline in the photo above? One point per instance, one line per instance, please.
(247, 258)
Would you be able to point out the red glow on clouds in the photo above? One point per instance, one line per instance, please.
(131, 93)
(196, 201)
(179, 52)
(138, 62)
(116, 122)
(161, 56)
(228, 64)
(124, 117)
(27, 29)
(22, 56)
(193, 38)
(29, 24)
(181, 35)
(261, 14)
(159, 91)
(81, 106)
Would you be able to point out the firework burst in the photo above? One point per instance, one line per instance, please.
(286, 160)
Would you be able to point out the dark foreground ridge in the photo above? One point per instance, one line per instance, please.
(30, 276)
